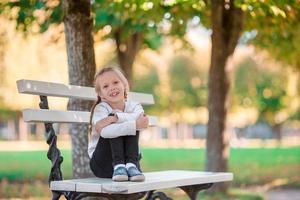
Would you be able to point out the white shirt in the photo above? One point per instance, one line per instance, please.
(126, 124)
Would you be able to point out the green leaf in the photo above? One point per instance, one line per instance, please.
(153, 39)
(102, 18)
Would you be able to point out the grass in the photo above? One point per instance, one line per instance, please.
(250, 166)
(262, 166)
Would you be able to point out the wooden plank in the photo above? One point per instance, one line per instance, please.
(65, 185)
(90, 185)
(154, 181)
(177, 178)
(95, 184)
(72, 91)
(58, 116)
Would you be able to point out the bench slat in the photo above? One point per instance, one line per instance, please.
(154, 181)
(66, 185)
(58, 116)
(72, 91)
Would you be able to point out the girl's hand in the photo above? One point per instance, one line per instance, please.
(99, 126)
(142, 122)
(105, 122)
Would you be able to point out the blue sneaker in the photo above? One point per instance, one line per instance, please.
(120, 174)
(135, 175)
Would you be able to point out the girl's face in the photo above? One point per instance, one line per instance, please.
(112, 89)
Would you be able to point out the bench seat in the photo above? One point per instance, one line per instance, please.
(154, 181)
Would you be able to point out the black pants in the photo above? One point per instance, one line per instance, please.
(110, 152)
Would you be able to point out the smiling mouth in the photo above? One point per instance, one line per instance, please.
(113, 94)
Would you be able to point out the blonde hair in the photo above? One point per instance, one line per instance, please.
(123, 79)
(120, 74)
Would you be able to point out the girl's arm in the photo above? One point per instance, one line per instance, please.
(101, 118)
(106, 126)
(119, 129)
(125, 128)
(126, 116)
(105, 122)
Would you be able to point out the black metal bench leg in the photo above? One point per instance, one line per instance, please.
(157, 195)
(55, 195)
(192, 190)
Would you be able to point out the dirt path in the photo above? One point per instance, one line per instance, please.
(283, 194)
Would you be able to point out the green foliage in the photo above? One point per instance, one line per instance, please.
(270, 95)
(180, 12)
(277, 27)
(276, 22)
(262, 88)
(296, 115)
(282, 45)
(148, 17)
(152, 39)
(148, 83)
(243, 85)
(127, 16)
(188, 86)
(33, 12)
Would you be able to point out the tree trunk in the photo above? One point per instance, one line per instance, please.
(276, 128)
(81, 62)
(127, 50)
(227, 24)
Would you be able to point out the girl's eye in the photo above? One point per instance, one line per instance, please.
(116, 82)
(105, 86)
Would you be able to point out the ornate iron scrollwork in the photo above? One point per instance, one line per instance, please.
(53, 153)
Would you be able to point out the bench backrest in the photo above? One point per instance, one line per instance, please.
(68, 91)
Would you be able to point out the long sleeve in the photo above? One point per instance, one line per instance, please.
(131, 114)
(113, 130)
(101, 111)
(127, 127)
(119, 129)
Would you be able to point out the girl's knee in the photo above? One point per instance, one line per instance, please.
(100, 171)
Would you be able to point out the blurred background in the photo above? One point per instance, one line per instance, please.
(263, 104)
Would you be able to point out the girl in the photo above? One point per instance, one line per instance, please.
(115, 124)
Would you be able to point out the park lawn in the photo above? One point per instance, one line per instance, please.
(250, 166)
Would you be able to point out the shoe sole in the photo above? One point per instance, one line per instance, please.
(138, 178)
(120, 178)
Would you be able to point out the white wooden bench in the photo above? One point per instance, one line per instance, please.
(189, 181)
